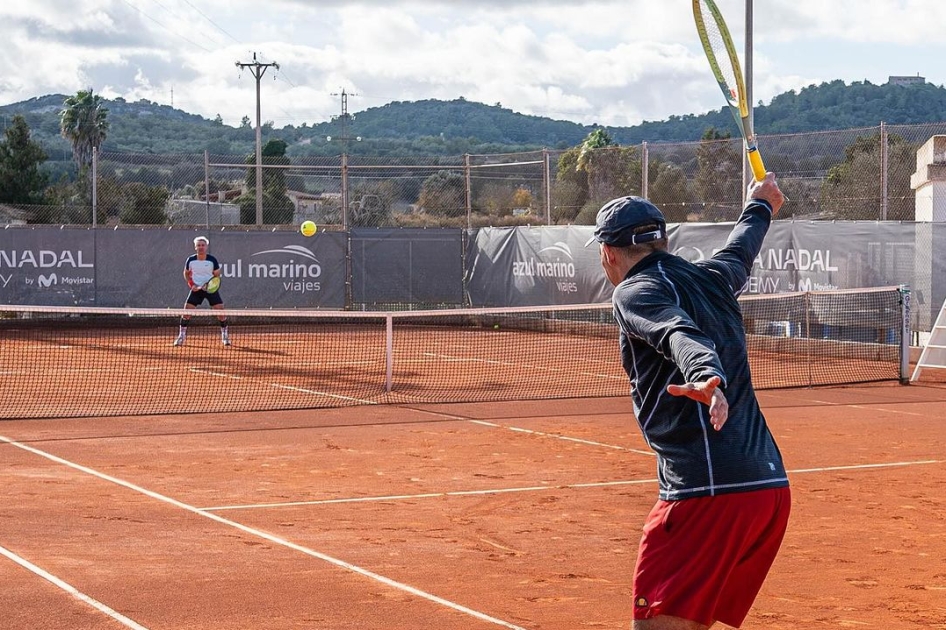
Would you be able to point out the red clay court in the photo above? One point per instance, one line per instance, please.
(453, 516)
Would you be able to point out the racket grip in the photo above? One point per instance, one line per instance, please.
(755, 162)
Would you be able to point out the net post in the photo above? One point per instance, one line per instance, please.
(905, 334)
(388, 352)
(807, 298)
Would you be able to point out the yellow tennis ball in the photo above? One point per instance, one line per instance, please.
(308, 228)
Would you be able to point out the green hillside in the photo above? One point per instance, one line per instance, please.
(432, 127)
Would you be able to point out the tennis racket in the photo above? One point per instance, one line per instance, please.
(721, 53)
(212, 285)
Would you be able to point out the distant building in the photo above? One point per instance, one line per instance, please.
(906, 81)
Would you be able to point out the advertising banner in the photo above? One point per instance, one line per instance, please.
(537, 266)
(514, 266)
(407, 266)
(144, 268)
(47, 266)
(550, 265)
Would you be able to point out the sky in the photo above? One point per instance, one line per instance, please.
(614, 63)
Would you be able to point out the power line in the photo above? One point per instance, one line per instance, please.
(215, 25)
(168, 29)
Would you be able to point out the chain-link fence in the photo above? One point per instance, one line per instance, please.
(833, 175)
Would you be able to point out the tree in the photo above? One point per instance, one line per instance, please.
(277, 207)
(495, 199)
(719, 179)
(571, 187)
(143, 204)
(597, 139)
(852, 189)
(613, 171)
(670, 192)
(522, 198)
(83, 121)
(21, 181)
(591, 174)
(444, 194)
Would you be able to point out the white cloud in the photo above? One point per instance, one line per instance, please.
(615, 62)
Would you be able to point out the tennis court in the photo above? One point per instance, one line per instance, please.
(478, 515)
(502, 483)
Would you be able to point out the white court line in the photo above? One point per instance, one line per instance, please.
(555, 436)
(593, 484)
(94, 603)
(288, 387)
(545, 368)
(432, 495)
(924, 462)
(873, 407)
(267, 536)
(311, 391)
(563, 437)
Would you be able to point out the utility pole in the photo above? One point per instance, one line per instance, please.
(258, 69)
(747, 175)
(343, 119)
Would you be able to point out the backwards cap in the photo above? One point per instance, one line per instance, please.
(618, 219)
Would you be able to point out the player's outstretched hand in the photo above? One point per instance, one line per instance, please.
(708, 393)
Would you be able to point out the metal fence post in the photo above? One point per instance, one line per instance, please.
(547, 177)
(884, 159)
(207, 186)
(95, 185)
(645, 178)
(345, 191)
(469, 191)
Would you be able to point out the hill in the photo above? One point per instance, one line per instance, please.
(432, 127)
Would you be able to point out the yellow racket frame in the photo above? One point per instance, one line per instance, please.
(712, 30)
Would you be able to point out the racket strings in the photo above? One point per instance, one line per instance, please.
(722, 61)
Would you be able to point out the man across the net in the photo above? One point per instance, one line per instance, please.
(199, 268)
(724, 500)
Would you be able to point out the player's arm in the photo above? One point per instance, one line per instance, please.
(188, 277)
(216, 271)
(650, 313)
(734, 262)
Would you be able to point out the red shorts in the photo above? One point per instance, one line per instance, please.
(705, 559)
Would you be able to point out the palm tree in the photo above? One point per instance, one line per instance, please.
(83, 122)
(597, 139)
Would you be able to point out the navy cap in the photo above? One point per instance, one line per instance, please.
(618, 218)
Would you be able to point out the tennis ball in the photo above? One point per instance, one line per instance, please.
(308, 228)
(495, 326)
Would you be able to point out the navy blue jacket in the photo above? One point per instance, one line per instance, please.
(680, 322)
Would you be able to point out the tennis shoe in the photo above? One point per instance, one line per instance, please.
(179, 341)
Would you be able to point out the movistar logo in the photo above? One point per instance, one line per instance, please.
(47, 281)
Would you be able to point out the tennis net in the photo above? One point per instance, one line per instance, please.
(77, 362)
